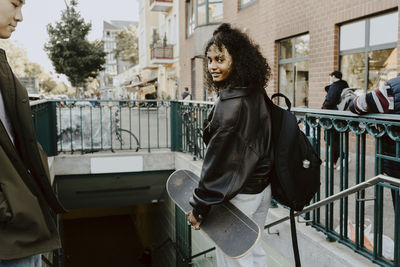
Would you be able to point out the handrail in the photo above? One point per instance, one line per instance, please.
(330, 112)
(37, 102)
(195, 102)
(373, 181)
(104, 100)
(200, 253)
(184, 259)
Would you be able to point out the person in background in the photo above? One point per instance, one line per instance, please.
(385, 99)
(332, 99)
(27, 201)
(185, 94)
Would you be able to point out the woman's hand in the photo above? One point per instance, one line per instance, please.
(192, 221)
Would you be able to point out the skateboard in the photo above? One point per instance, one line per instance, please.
(228, 228)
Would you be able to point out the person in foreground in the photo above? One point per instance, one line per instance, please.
(27, 201)
(385, 99)
(238, 135)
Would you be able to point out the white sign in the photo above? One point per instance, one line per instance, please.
(116, 164)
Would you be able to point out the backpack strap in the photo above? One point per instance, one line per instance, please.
(287, 101)
(294, 239)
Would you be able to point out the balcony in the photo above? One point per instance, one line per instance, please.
(161, 5)
(161, 54)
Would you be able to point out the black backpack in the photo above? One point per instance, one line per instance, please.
(296, 172)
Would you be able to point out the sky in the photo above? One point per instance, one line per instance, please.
(31, 34)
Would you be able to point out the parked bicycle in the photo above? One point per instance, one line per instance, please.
(125, 137)
(192, 134)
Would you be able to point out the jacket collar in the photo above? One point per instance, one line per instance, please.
(234, 92)
(3, 55)
(7, 87)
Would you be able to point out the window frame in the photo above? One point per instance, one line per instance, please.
(188, 13)
(193, 77)
(367, 47)
(206, 4)
(196, 15)
(293, 60)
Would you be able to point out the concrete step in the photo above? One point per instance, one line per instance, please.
(314, 249)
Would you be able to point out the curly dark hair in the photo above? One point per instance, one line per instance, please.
(249, 68)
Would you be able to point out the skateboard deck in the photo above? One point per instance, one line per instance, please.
(228, 227)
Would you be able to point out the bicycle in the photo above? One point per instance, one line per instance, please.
(192, 134)
(123, 138)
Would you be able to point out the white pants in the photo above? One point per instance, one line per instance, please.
(254, 206)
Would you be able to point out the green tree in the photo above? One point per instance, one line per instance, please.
(69, 49)
(127, 45)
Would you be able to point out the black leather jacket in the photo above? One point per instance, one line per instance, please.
(239, 153)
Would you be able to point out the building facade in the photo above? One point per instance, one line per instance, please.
(303, 42)
(113, 65)
(31, 84)
(165, 53)
(158, 47)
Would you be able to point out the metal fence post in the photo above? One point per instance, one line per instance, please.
(176, 127)
(183, 238)
(52, 119)
(44, 118)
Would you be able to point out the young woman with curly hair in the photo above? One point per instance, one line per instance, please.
(239, 153)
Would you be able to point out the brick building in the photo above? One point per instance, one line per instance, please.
(303, 41)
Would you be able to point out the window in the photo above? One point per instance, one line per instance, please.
(368, 51)
(169, 31)
(209, 11)
(193, 77)
(141, 44)
(173, 31)
(203, 12)
(155, 36)
(293, 69)
(245, 3)
(191, 19)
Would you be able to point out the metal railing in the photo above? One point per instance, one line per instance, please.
(360, 148)
(89, 126)
(44, 120)
(162, 52)
(377, 249)
(359, 145)
(98, 125)
(189, 121)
